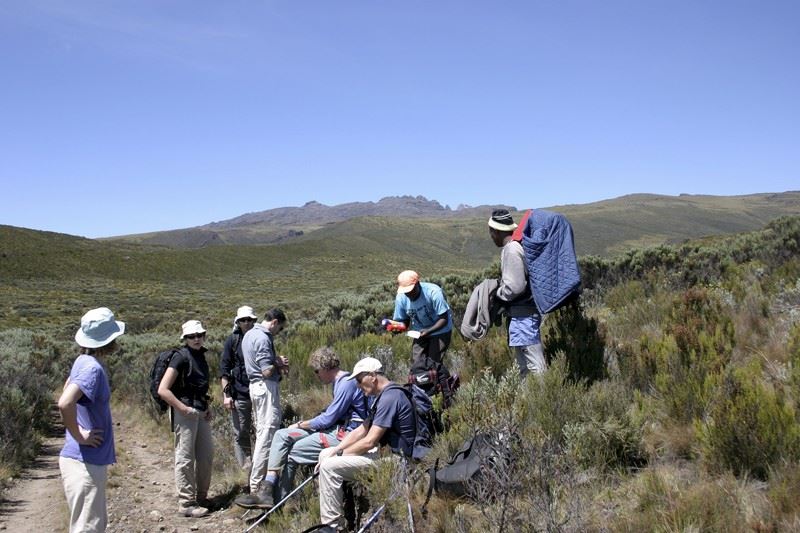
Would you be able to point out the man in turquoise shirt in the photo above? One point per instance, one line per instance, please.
(423, 308)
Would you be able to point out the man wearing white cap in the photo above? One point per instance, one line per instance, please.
(236, 386)
(85, 406)
(515, 294)
(391, 421)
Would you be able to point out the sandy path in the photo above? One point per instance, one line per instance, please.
(141, 490)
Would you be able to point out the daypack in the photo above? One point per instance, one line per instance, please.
(423, 417)
(160, 365)
(429, 376)
(453, 479)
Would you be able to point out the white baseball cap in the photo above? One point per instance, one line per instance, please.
(368, 364)
(98, 328)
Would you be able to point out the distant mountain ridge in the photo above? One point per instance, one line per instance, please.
(601, 228)
(281, 224)
(390, 206)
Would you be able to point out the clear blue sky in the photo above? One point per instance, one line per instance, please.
(125, 117)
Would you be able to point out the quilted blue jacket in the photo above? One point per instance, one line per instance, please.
(553, 271)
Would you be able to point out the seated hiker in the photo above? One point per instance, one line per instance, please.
(302, 442)
(391, 421)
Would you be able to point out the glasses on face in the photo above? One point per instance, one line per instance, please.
(194, 336)
(246, 319)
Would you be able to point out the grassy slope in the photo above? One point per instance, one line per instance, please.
(601, 228)
(54, 275)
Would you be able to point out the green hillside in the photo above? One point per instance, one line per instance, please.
(51, 274)
(601, 228)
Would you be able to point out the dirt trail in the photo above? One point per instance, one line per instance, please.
(141, 491)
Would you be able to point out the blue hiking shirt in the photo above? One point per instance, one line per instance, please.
(348, 403)
(94, 412)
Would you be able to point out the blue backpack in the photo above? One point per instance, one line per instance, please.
(423, 417)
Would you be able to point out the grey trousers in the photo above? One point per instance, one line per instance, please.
(242, 420)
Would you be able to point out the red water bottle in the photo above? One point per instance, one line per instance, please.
(393, 325)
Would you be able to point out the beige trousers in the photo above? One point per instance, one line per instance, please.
(194, 454)
(85, 489)
(266, 400)
(333, 471)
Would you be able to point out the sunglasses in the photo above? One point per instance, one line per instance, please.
(246, 319)
(194, 336)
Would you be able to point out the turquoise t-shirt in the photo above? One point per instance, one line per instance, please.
(425, 310)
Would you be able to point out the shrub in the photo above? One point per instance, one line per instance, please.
(749, 427)
(571, 332)
(30, 369)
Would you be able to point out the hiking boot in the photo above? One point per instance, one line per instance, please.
(260, 500)
(192, 511)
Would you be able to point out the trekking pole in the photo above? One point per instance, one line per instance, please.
(284, 500)
(372, 519)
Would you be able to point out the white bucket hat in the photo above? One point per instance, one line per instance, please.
(98, 328)
(190, 327)
(368, 364)
(244, 311)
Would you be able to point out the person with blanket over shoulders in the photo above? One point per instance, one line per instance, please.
(514, 293)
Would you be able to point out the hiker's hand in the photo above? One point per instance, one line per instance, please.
(92, 438)
(423, 333)
(327, 452)
(191, 412)
(227, 401)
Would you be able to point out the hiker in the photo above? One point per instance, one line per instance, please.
(86, 412)
(236, 386)
(391, 421)
(514, 294)
(184, 388)
(301, 442)
(264, 369)
(423, 308)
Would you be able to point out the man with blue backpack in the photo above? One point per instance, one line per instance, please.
(394, 420)
(514, 294)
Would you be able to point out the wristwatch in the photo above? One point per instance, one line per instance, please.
(340, 452)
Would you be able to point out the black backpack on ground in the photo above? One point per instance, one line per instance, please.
(160, 365)
(453, 479)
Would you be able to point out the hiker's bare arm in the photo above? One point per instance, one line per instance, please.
(439, 324)
(163, 390)
(68, 406)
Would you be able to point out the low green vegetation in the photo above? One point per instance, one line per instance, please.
(671, 402)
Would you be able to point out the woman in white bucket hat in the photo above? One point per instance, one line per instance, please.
(185, 388)
(86, 411)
